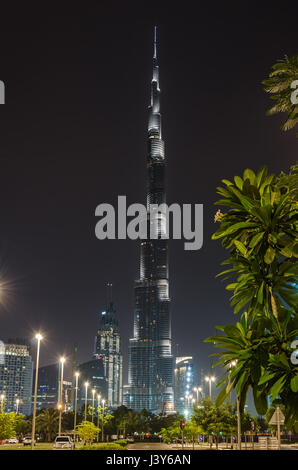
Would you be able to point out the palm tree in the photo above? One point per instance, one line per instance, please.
(284, 73)
(47, 422)
(260, 351)
(260, 231)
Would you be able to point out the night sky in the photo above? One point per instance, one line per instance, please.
(73, 135)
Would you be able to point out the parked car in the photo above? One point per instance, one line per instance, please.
(63, 443)
(12, 440)
(27, 441)
(130, 439)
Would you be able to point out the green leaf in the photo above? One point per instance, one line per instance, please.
(277, 387)
(260, 400)
(232, 286)
(240, 247)
(256, 239)
(265, 378)
(269, 255)
(238, 182)
(250, 175)
(294, 384)
(260, 293)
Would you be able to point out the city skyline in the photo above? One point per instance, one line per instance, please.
(56, 266)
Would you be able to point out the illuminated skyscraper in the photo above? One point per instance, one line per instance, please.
(150, 356)
(183, 384)
(16, 371)
(108, 349)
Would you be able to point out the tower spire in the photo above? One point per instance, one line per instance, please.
(154, 51)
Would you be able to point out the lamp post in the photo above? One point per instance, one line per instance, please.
(76, 401)
(17, 405)
(86, 395)
(102, 417)
(198, 390)
(93, 396)
(39, 338)
(60, 406)
(98, 405)
(210, 379)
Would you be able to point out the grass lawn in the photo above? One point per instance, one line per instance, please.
(38, 446)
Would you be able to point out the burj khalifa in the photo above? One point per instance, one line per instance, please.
(150, 356)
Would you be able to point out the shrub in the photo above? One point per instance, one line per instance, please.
(104, 446)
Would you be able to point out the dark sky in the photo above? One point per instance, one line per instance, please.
(73, 135)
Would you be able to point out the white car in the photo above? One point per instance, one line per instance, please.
(27, 440)
(63, 443)
(12, 440)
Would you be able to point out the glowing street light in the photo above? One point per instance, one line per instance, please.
(198, 390)
(62, 360)
(93, 397)
(86, 396)
(102, 417)
(98, 406)
(39, 338)
(210, 379)
(76, 400)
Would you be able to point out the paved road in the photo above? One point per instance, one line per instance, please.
(148, 446)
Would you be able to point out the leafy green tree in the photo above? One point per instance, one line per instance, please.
(260, 232)
(278, 85)
(87, 431)
(172, 432)
(163, 420)
(47, 422)
(214, 419)
(8, 424)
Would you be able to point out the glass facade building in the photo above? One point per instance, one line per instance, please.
(48, 388)
(92, 372)
(16, 372)
(183, 385)
(150, 357)
(108, 349)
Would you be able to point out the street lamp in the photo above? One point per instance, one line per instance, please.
(86, 395)
(198, 390)
(93, 395)
(76, 400)
(102, 416)
(17, 405)
(39, 338)
(98, 405)
(62, 360)
(210, 379)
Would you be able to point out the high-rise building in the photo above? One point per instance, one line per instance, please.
(92, 372)
(16, 371)
(108, 348)
(150, 356)
(48, 388)
(183, 385)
